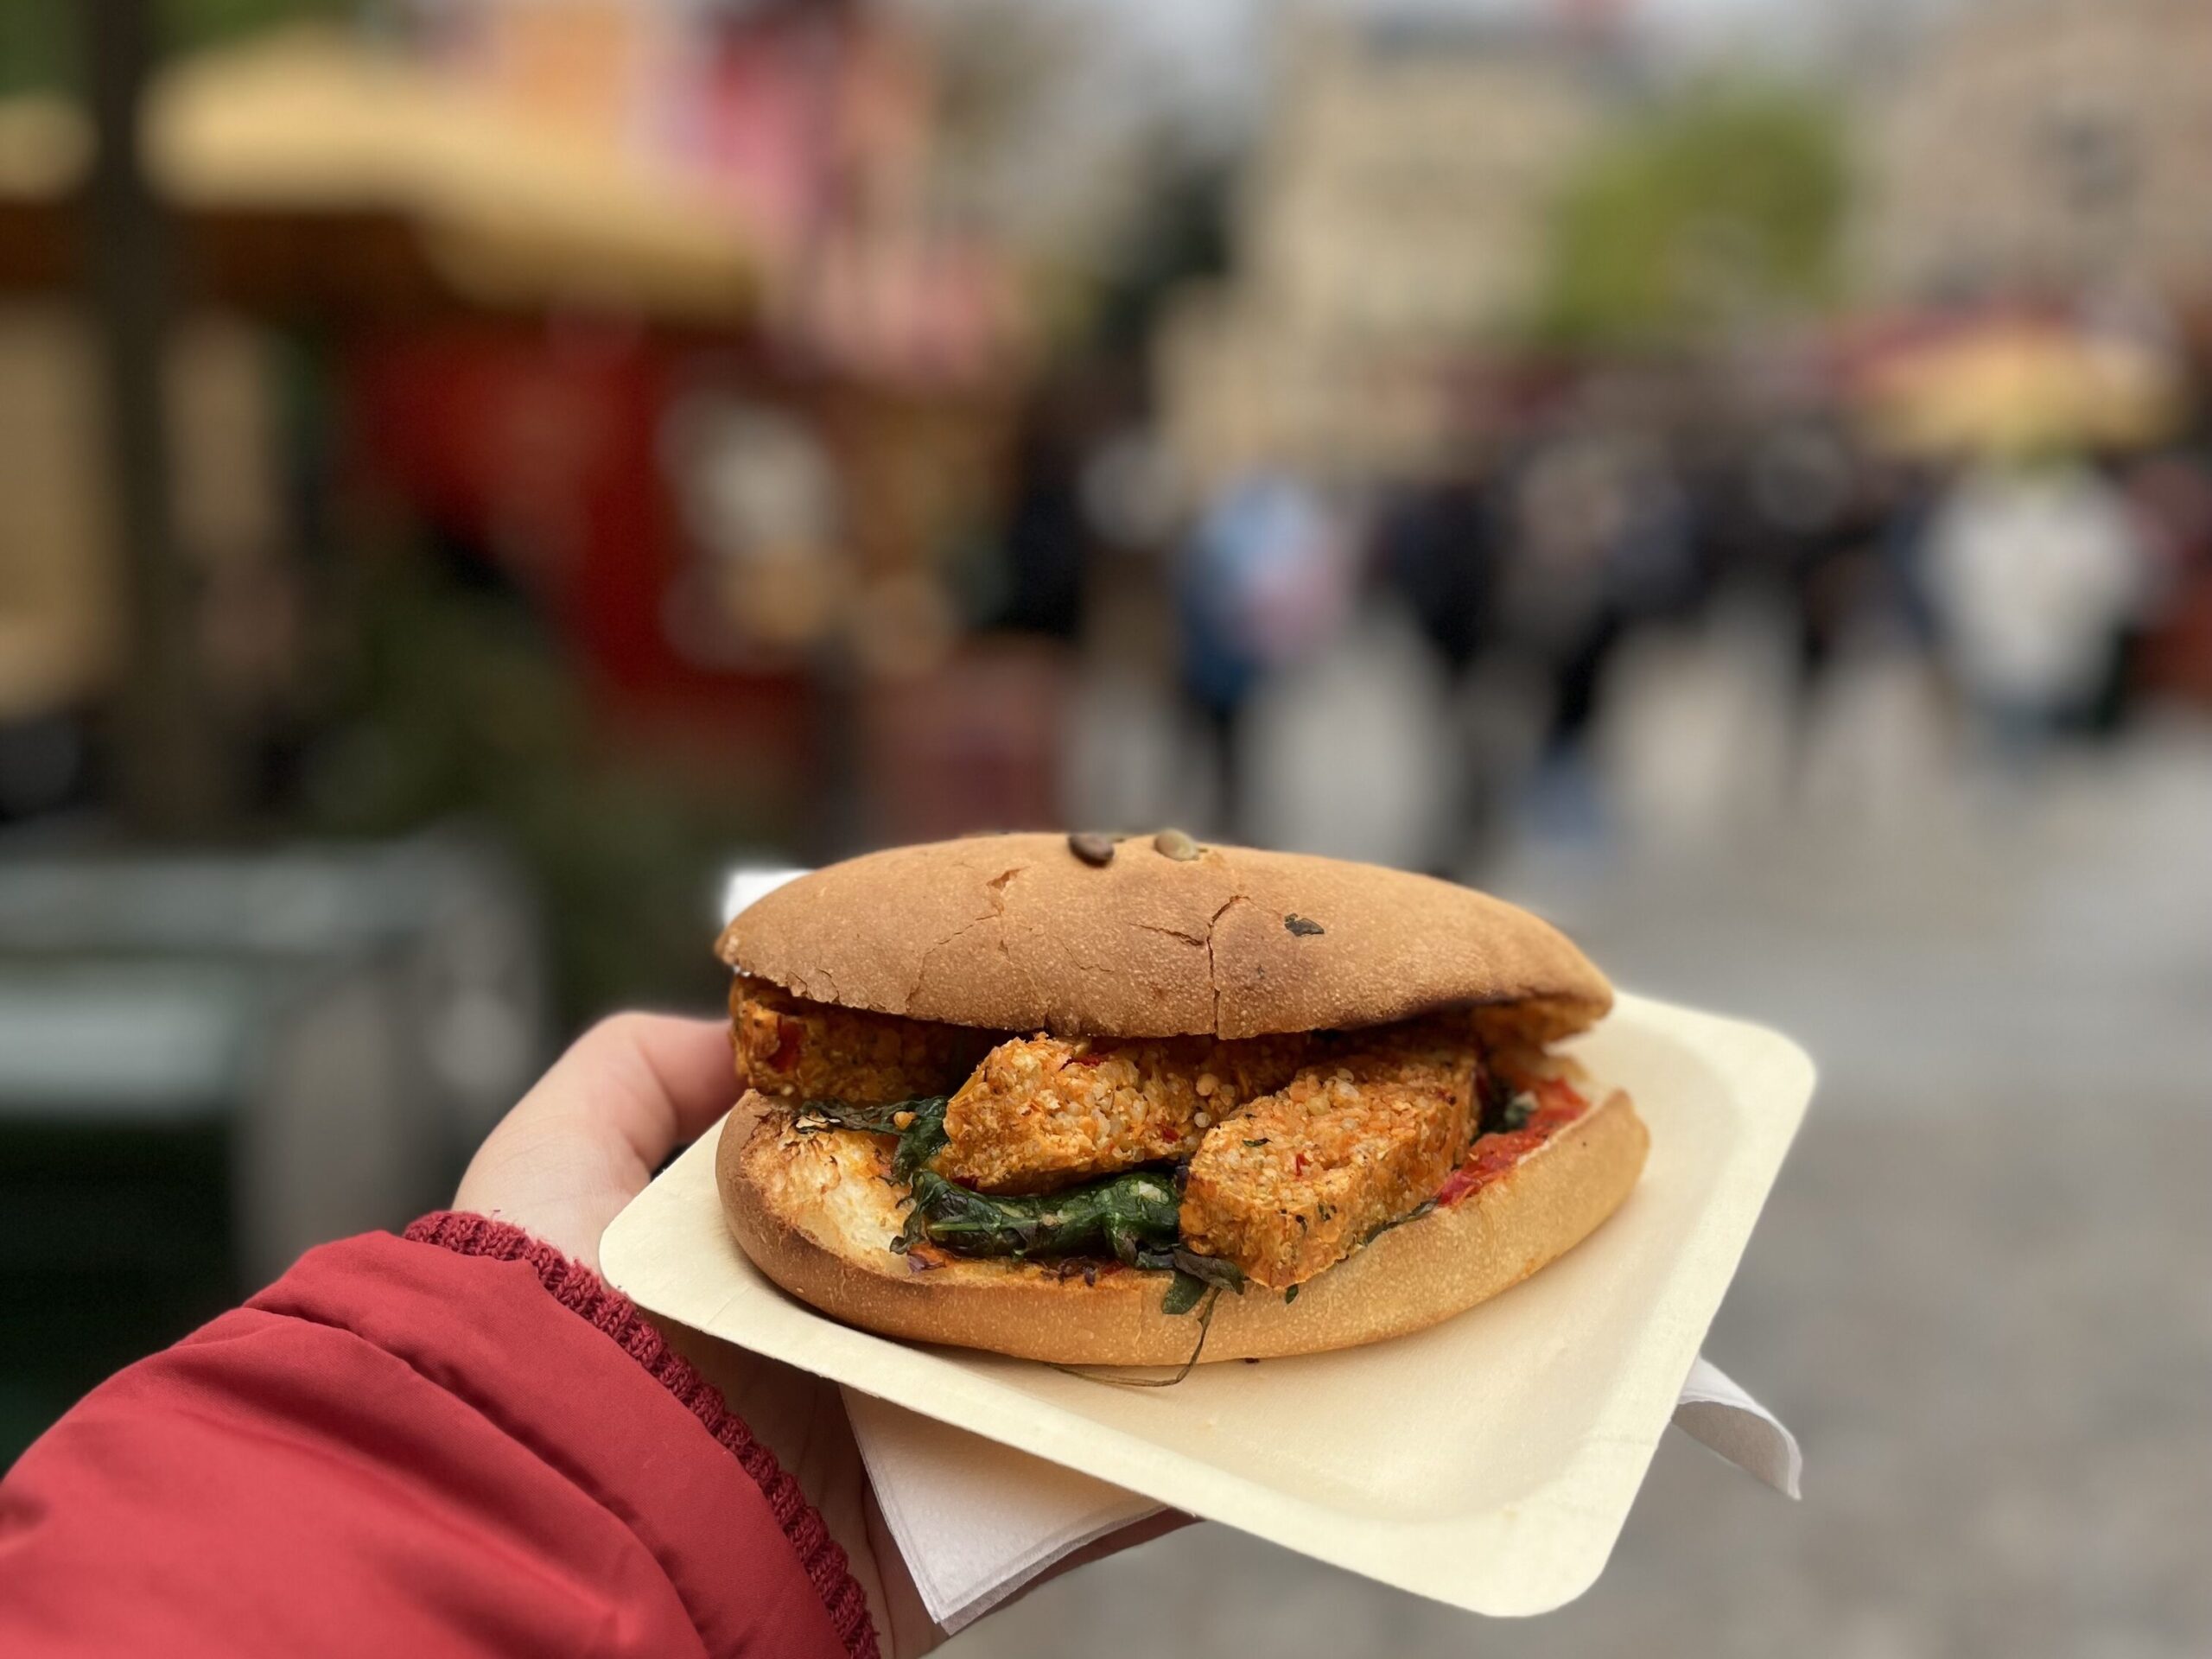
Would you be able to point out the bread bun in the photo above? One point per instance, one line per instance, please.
(816, 1213)
(1018, 933)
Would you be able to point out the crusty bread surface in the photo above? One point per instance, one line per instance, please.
(1018, 933)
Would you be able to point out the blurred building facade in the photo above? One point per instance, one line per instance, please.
(811, 124)
(2043, 148)
(1394, 215)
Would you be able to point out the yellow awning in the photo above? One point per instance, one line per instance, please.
(509, 209)
(2022, 388)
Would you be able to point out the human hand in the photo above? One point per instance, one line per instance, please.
(580, 1146)
(591, 1132)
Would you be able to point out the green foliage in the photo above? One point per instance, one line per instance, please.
(1713, 211)
(921, 1137)
(189, 24)
(1131, 1217)
(38, 47)
(41, 48)
(1185, 1292)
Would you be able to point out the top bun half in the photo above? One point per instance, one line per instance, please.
(1016, 933)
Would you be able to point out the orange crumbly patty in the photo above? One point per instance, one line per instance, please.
(1299, 1146)
(1041, 1112)
(797, 1050)
(1304, 1176)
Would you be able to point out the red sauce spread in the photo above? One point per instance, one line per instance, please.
(1557, 1106)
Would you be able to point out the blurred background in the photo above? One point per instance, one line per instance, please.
(1733, 475)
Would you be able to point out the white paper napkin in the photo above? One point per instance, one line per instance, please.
(976, 1520)
(1716, 1413)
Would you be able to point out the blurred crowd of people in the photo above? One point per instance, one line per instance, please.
(2041, 594)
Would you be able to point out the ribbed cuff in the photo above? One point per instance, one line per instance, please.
(584, 1293)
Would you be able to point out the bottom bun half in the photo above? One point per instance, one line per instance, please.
(816, 1213)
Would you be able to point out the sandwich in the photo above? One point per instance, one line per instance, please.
(1138, 1101)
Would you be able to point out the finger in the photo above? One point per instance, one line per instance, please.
(692, 1067)
(655, 1080)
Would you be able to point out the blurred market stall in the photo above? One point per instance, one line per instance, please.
(2023, 386)
(646, 317)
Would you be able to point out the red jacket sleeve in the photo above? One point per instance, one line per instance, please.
(451, 1443)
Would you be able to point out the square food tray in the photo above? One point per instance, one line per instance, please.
(1489, 1462)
